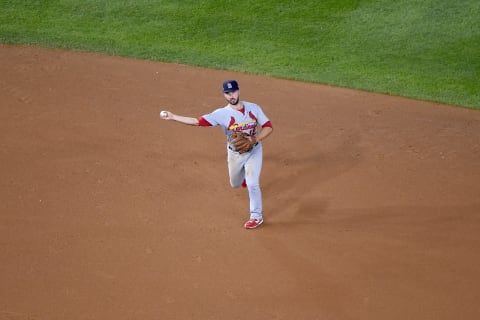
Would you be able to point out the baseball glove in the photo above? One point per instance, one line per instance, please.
(242, 142)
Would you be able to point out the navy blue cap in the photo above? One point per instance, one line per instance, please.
(230, 86)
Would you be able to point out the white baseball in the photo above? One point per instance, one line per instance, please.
(163, 114)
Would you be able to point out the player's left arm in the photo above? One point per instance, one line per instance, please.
(266, 125)
(265, 131)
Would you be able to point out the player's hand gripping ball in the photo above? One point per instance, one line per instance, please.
(163, 114)
(242, 142)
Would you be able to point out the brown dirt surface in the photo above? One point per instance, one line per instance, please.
(372, 202)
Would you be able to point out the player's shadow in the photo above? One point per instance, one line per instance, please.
(295, 191)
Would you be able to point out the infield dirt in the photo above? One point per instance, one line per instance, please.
(372, 202)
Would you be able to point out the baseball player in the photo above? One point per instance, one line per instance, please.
(246, 126)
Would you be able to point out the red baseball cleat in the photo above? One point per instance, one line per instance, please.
(244, 183)
(253, 223)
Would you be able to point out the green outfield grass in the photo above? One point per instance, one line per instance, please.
(427, 49)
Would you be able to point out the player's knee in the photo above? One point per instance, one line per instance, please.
(254, 186)
(235, 184)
